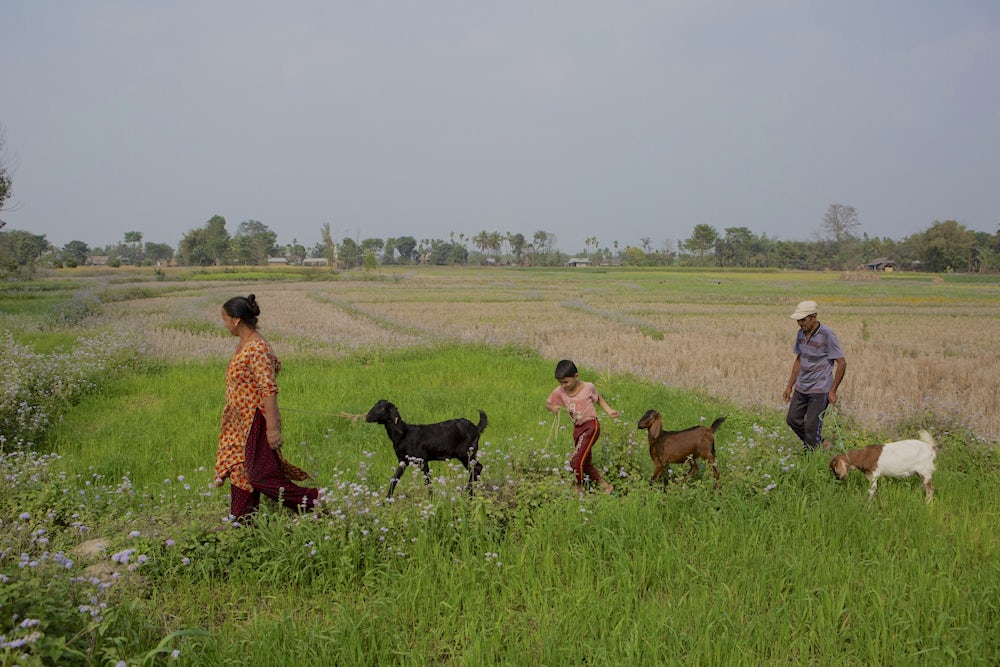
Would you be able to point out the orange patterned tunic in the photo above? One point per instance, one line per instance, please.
(251, 375)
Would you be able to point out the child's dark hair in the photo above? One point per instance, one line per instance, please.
(565, 369)
(245, 308)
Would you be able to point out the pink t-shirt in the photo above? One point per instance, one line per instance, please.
(581, 406)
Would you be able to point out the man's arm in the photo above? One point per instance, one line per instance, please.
(838, 375)
(787, 395)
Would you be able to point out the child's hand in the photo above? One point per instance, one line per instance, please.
(614, 414)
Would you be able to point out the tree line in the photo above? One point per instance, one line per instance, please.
(944, 246)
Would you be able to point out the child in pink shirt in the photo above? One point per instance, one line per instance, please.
(579, 398)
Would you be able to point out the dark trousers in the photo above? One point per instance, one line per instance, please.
(584, 437)
(805, 417)
(267, 477)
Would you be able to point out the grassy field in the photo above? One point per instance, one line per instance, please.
(111, 548)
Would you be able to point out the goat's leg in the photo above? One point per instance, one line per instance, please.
(468, 459)
(395, 478)
(712, 461)
(715, 470)
(693, 460)
(426, 468)
(874, 486)
(928, 489)
(473, 466)
(657, 471)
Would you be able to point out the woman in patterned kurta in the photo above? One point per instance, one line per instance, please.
(250, 439)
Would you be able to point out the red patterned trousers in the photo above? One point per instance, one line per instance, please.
(584, 437)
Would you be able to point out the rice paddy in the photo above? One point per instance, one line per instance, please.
(114, 549)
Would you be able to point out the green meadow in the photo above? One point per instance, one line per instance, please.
(115, 550)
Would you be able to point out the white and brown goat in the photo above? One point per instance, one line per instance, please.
(893, 459)
(666, 447)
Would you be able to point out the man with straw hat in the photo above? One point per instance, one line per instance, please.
(816, 374)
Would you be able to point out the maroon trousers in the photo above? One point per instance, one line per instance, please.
(267, 476)
(584, 437)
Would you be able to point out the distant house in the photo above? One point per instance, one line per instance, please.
(277, 260)
(315, 261)
(578, 261)
(97, 260)
(881, 264)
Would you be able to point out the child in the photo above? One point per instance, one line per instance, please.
(579, 398)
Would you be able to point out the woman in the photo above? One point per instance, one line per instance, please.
(250, 438)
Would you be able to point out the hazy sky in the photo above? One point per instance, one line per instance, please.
(619, 120)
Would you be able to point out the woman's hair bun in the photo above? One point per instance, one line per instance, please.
(252, 305)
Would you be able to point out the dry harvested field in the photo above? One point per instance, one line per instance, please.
(917, 345)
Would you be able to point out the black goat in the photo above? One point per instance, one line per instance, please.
(452, 439)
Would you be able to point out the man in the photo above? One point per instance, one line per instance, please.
(816, 375)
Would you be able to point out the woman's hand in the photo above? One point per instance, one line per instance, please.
(274, 439)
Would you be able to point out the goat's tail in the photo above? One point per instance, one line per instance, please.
(715, 427)
(929, 439)
(481, 426)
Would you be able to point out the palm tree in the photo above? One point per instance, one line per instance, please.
(481, 241)
(494, 242)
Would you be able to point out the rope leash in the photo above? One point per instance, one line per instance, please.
(554, 431)
(345, 415)
(830, 413)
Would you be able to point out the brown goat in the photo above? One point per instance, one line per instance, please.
(666, 447)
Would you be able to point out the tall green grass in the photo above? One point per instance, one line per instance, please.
(781, 565)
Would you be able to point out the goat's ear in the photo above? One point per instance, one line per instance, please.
(655, 427)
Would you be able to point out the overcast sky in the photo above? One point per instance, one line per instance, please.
(620, 120)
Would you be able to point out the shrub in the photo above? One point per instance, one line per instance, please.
(74, 311)
(36, 389)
